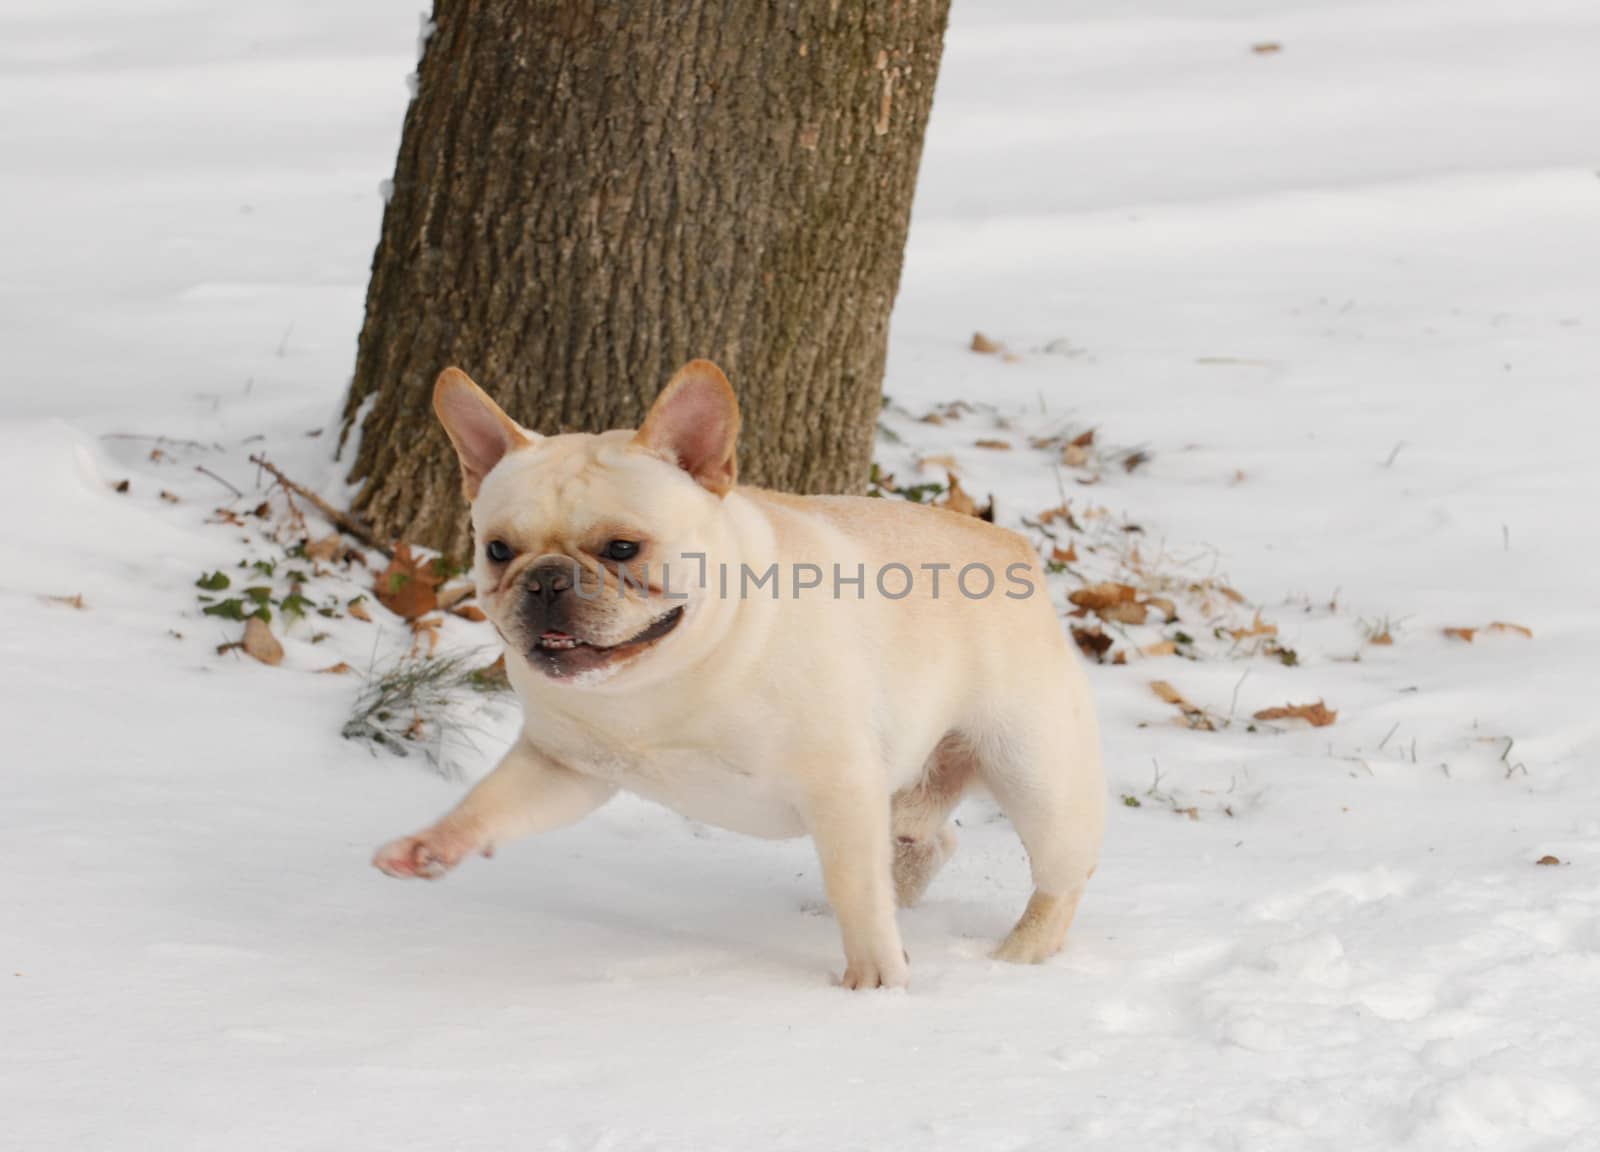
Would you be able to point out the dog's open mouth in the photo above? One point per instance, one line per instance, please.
(561, 654)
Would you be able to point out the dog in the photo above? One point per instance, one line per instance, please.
(773, 664)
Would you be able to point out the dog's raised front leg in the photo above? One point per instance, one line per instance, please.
(848, 814)
(526, 793)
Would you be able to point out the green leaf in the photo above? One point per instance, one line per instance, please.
(294, 605)
(227, 609)
(261, 594)
(215, 582)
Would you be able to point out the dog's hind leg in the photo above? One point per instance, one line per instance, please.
(923, 838)
(1045, 773)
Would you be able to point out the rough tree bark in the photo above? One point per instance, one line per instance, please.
(589, 194)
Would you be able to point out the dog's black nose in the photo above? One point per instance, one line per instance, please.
(549, 578)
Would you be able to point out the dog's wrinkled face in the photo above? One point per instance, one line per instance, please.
(581, 540)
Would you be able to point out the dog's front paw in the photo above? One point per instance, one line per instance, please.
(427, 855)
(862, 975)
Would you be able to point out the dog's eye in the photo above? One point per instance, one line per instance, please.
(498, 551)
(622, 550)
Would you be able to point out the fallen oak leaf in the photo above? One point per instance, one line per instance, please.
(1318, 715)
(984, 345)
(1160, 648)
(454, 594)
(1465, 634)
(1067, 555)
(339, 669)
(1548, 861)
(407, 586)
(993, 445)
(469, 612)
(358, 609)
(73, 601)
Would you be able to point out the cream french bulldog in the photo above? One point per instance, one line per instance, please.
(832, 666)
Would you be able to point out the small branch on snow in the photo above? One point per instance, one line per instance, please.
(343, 521)
(203, 470)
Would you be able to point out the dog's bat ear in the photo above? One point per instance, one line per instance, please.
(695, 424)
(481, 432)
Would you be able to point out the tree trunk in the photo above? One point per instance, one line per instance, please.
(590, 194)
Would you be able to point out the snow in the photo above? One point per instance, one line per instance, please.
(1345, 297)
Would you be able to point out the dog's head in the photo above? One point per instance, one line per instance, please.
(585, 545)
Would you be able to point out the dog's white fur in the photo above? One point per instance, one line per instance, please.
(858, 721)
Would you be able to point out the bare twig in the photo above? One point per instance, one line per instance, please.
(208, 472)
(343, 521)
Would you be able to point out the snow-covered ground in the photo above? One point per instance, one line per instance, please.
(1345, 295)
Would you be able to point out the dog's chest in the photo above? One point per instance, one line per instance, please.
(704, 785)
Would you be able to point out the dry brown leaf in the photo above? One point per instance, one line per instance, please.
(957, 499)
(453, 594)
(327, 549)
(1097, 597)
(1170, 694)
(1083, 439)
(121, 486)
(1318, 715)
(932, 418)
(339, 669)
(407, 586)
(1160, 648)
(1461, 633)
(73, 601)
(1168, 610)
(1381, 639)
(469, 612)
(259, 641)
(1503, 626)
(1134, 459)
(1129, 612)
(1075, 456)
(168, 496)
(1193, 713)
(1062, 513)
(943, 460)
(1236, 597)
(981, 343)
(358, 609)
(1257, 627)
(1266, 48)
(1092, 642)
(1067, 555)
(1548, 861)
(993, 445)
